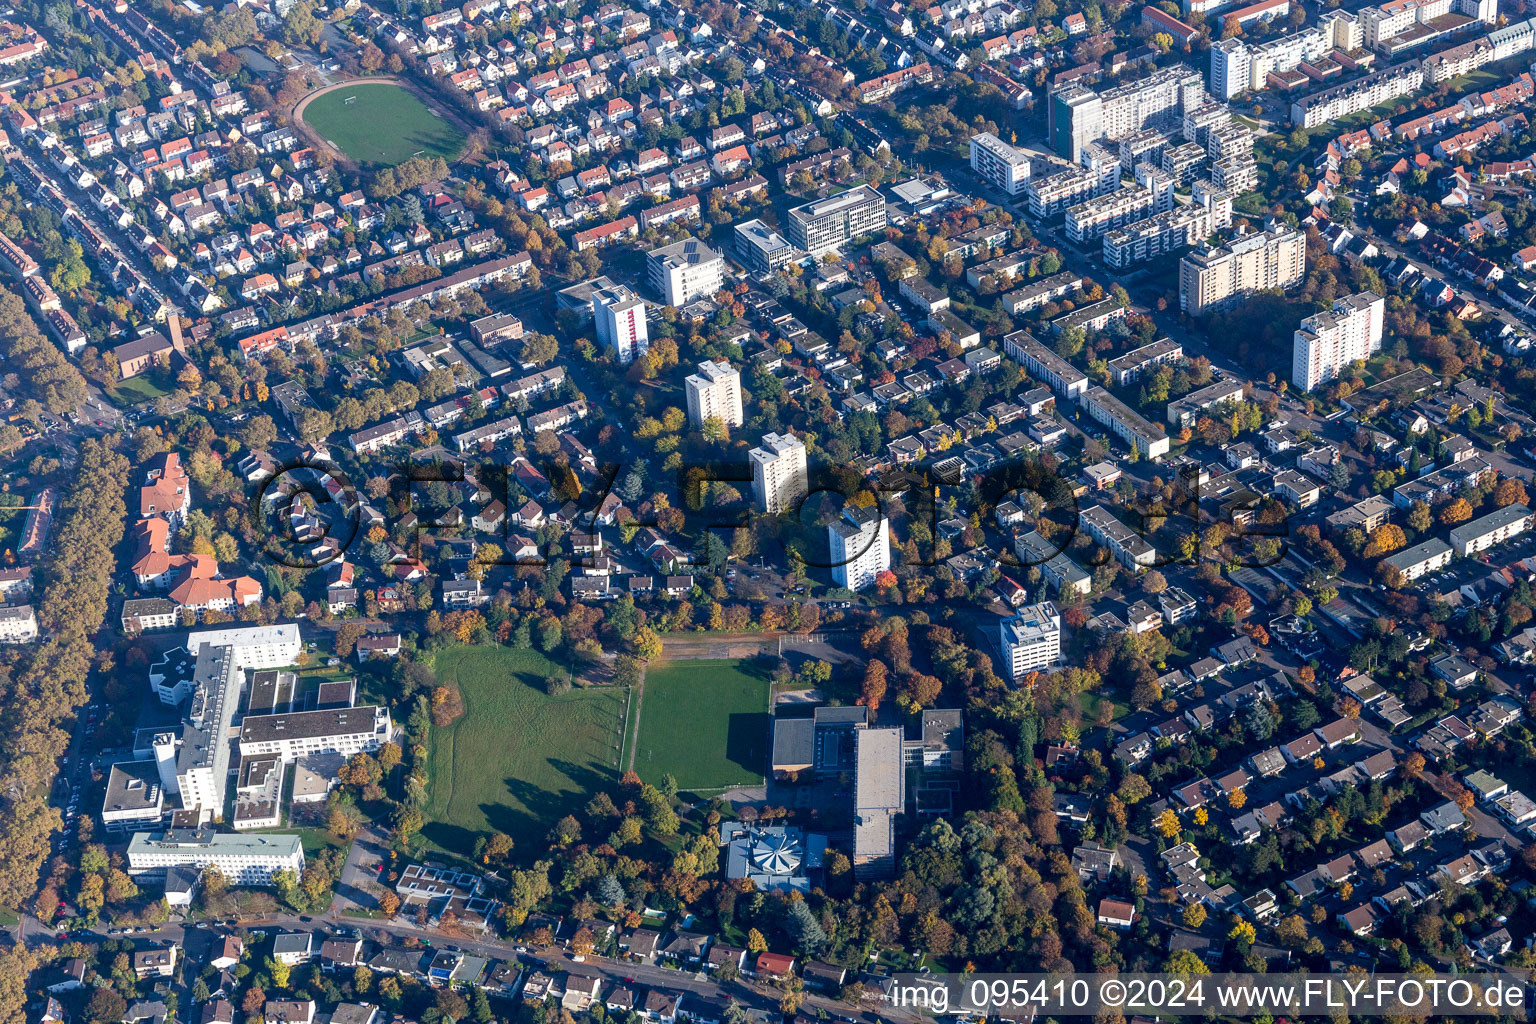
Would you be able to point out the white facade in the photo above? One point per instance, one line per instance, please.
(779, 478)
(860, 547)
(243, 860)
(619, 316)
(714, 393)
(18, 625)
(1031, 640)
(254, 646)
(1003, 165)
(343, 731)
(1488, 531)
(1327, 343)
(685, 271)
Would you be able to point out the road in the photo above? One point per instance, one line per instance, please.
(613, 970)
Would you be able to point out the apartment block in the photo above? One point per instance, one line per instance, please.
(859, 546)
(1213, 279)
(1326, 343)
(1045, 365)
(1125, 545)
(714, 393)
(1125, 423)
(779, 478)
(996, 161)
(1361, 94)
(619, 316)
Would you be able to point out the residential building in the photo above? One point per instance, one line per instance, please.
(1327, 343)
(859, 545)
(714, 393)
(619, 315)
(1492, 529)
(779, 478)
(1214, 279)
(1003, 165)
(1150, 440)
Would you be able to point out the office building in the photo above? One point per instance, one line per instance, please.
(1326, 343)
(714, 393)
(241, 859)
(826, 224)
(684, 271)
(761, 249)
(779, 478)
(1003, 165)
(1213, 279)
(859, 547)
(619, 315)
(134, 801)
(880, 794)
(1030, 640)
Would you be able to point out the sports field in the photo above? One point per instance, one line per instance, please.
(518, 759)
(381, 125)
(705, 722)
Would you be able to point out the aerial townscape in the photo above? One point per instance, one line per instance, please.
(627, 511)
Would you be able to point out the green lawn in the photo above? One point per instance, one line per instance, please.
(518, 759)
(382, 125)
(705, 722)
(146, 387)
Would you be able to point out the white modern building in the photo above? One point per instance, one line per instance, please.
(134, 800)
(684, 271)
(242, 859)
(1031, 640)
(338, 731)
(18, 624)
(859, 546)
(761, 249)
(1003, 165)
(779, 476)
(714, 393)
(1326, 343)
(619, 316)
(823, 225)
